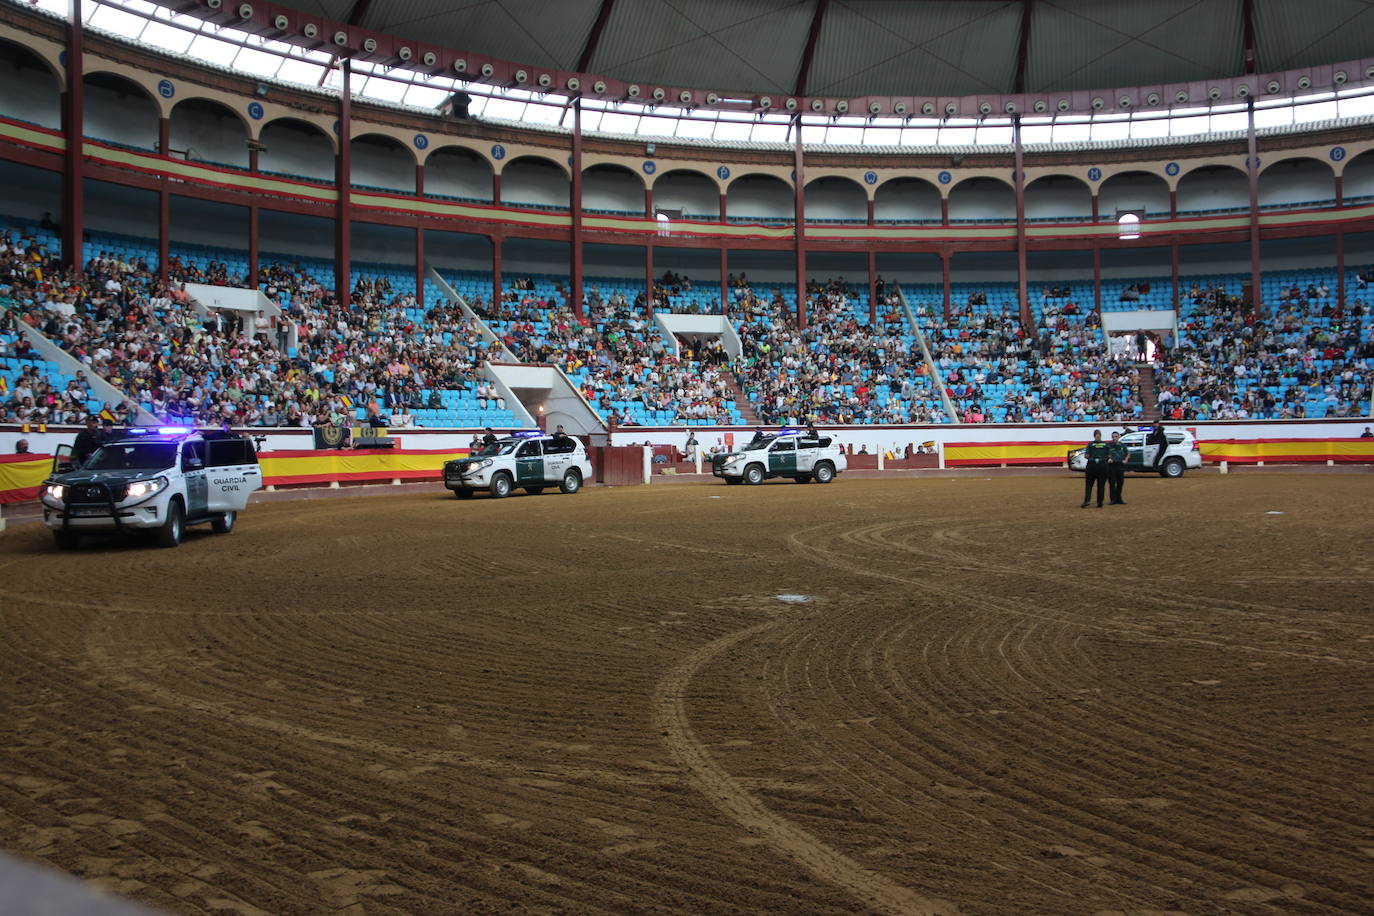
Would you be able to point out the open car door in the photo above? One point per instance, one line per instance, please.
(232, 468)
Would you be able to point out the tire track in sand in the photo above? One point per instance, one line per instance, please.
(875, 891)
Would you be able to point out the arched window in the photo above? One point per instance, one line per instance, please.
(1128, 225)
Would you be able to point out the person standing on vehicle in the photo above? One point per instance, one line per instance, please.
(1158, 437)
(87, 441)
(1116, 469)
(1096, 470)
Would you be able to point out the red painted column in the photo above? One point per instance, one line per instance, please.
(1020, 223)
(343, 177)
(420, 265)
(648, 203)
(496, 188)
(724, 275)
(872, 277)
(649, 301)
(799, 216)
(870, 211)
(419, 180)
(724, 207)
(944, 277)
(73, 117)
(944, 210)
(1096, 204)
(496, 243)
(254, 217)
(1340, 190)
(575, 207)
(1173, 203)
(164, 202)
(1252, 167)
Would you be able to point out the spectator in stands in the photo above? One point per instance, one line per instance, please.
(22, 446)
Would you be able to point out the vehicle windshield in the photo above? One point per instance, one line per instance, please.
(756, 444)
(499, 447)
(128, 456)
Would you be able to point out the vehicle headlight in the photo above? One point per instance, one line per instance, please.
(141, 488)
(484, 463)
(56, 491)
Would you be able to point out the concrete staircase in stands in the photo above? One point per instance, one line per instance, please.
(1148, 398)
(746, 410)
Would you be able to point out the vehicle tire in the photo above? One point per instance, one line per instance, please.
(572, 481)
(753, 475)
(534, 491)
(802, 478)
(733, 481)
(67, 540)
(169, 535)
(825, 472)
(463, 492)
(1172, 467)
(500, 486)
(224, 523)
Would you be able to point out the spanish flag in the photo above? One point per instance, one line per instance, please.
(348, 402)
(105, 414)
(4, 385)
(161, 365)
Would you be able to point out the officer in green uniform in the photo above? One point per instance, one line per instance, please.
(1096, 455)
(1116, 469)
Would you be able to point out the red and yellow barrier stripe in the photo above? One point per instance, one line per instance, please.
(959, 454)
(327, 466)
(1288, 451)
(22, 475)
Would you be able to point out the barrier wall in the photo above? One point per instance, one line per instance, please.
(1214, 451)
(21, 476)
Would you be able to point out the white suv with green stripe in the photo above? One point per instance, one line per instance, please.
(531, 461)
(789, 453)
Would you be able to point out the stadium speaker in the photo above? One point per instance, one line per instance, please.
(817, 104)
(1243, 91)
(685, 97)
(340, 38)
(1214, 93)
(659, 93)
(574, 84)
(460, 65)
(1063, 105)
(765, 102)
(842, 106)
(430, 58)
(214, 4)
(1011, 107)
(404, 53)
(790, 104)
(374, 442)
(599, 87)
(874, 108)
(522, 76)
(899, 108)
(245, 11)
(1369, 72)
(1339, 77)
(985, 108)
(281, 23)
(1152, 99)
(712, 98)
(487, 70)
(1040, 106)
(632, 91)
(927, 108)
(951, 109)
(544, 80)
(369, 45)
(1274, 86)
(1304, 83)
(310, 30)
(1123, 102)
(1181, 96)
(1098, 104)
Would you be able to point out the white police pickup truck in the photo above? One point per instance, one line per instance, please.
(789, 453)
(530, 460)
(1182, 454)
(159, 479)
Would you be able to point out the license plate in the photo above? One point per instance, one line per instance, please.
(86, 511)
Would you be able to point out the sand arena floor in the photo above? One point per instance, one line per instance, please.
(995, 703)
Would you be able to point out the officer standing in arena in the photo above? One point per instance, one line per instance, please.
(1096, 455)
(1116, 469)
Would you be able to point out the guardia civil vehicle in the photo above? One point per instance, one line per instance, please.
(1182, 454)
(789, 453)
(151, 480)
(531, 460)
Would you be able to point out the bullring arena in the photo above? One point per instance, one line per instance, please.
(275, 276)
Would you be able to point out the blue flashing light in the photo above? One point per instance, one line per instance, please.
(788, 431)
(172, 430)
(527, 434)
(137, 431)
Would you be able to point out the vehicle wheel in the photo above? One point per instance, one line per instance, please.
(225, 523)
(463, 492)
(572, 481)
(1173, 467)
(824, 473)
(67, 540)
(733, 481)
(802, 478)
(500, 486)
(169, 535)
(753, 475)
(534, 491)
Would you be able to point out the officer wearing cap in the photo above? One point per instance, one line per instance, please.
(1096, 455)
(87, 441)
(1116, 469)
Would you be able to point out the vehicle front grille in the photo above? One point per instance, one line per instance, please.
(95, 493)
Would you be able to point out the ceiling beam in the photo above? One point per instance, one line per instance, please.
(594, 37)
(1247, 13)
(359, 10)
(1023, 46)
(809, 54)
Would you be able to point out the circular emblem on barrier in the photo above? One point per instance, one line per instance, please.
(870, 177)
(1337, 153)
(498, 152)
(1171, 169)
(649, 167)
(255, 111)
(1094, 174)
(723, 172)
(166, 89)
(331, 436)
(421, 141)
(944, 177)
